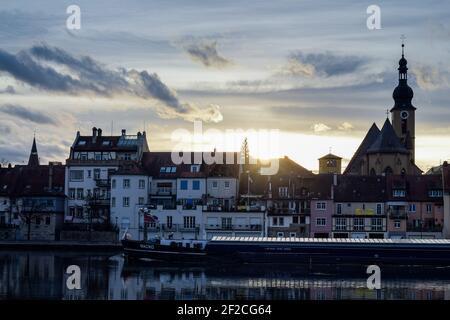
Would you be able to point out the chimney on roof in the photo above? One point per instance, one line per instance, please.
(124, 132)
(94, 134)
(99, 132)
(9, 165)
(50, 176)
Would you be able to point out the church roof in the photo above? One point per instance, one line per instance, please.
(369, 139)
(387, 141)
(330, 156)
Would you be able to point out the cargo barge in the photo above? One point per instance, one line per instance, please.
(293, 250)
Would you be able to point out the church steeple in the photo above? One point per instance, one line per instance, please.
(403, 93)
(33, 161)
(403, 112)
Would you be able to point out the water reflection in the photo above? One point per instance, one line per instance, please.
(40, 275)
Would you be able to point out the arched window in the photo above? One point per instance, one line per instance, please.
(388, 170)
(372, 172)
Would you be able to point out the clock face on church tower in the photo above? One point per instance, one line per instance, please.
(404, 114)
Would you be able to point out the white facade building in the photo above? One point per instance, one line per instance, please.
(92, 161)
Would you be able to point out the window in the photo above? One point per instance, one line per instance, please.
(412, 207)
(125, 223)
(113, 183)
(38, 220)
(169, 221)
(71, 211)
(283, 191)
(280, 234)
(96, 174)
(72, 193)
(195, 168)
(397, 224)
(227, 184)
(125, 202)
(127, 156)
(339, 208)
(196, 185)
(379, 208)
(141, 200)
(281, 221)
(113, 202)
(189, 222)
(126, 183)
(398, 193)
(274, 221)
(292, 234)
(141, 184)
(295, 220)
(435, 193)
(183, 184)
(80, 193)
(321, 222)
(214, 184)
(81, 143)
(358, 224)
(429, 208)
(341, 224)
(80, 212)
(47, 220)
(377, 224)
(321, 205)
(89, 173)
(226, 223)
(76, 175)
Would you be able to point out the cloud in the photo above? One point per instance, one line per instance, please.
(321, 64)
(26, 114)
(55, 70)
(320, 127)
(431, 78)
(8, 90)
(205, 52)
(346, 126)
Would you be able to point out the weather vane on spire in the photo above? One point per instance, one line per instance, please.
(403, 37)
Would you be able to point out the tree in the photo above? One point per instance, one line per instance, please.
(31, 208)
(245, 154)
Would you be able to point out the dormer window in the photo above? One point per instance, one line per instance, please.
(435, 193)
(81, 143)
(398, 193)
(105, 143)
(195, 168)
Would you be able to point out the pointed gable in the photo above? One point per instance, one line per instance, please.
(387, 141)
(354, 164)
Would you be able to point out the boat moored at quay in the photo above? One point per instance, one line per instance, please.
(224, 249)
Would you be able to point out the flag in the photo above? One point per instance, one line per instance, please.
(149, 218)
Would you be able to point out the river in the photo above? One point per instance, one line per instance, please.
(42, 275)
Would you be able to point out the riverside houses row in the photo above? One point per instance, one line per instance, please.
(107, 180)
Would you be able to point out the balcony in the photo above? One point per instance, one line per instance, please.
(169, 227)
(183, 228)
(8, 226)
(98, 201)
(413, 228)
(398, 214)
(252, 227)
(102, 183)
(275, 211)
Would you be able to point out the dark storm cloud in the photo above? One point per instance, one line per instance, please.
(87, 76)
(8, 90)
(325, 64)
(206, 53)
(26, 114)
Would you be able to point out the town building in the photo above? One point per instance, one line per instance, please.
(33, 200)
(92, 161)
(330, 163)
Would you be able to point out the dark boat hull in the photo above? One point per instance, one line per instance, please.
(331, 253)
(141, 249)
(232, 252)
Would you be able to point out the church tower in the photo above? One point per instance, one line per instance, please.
(403, 112)
(33, 161)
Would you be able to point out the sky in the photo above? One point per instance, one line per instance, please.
(310, 70)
